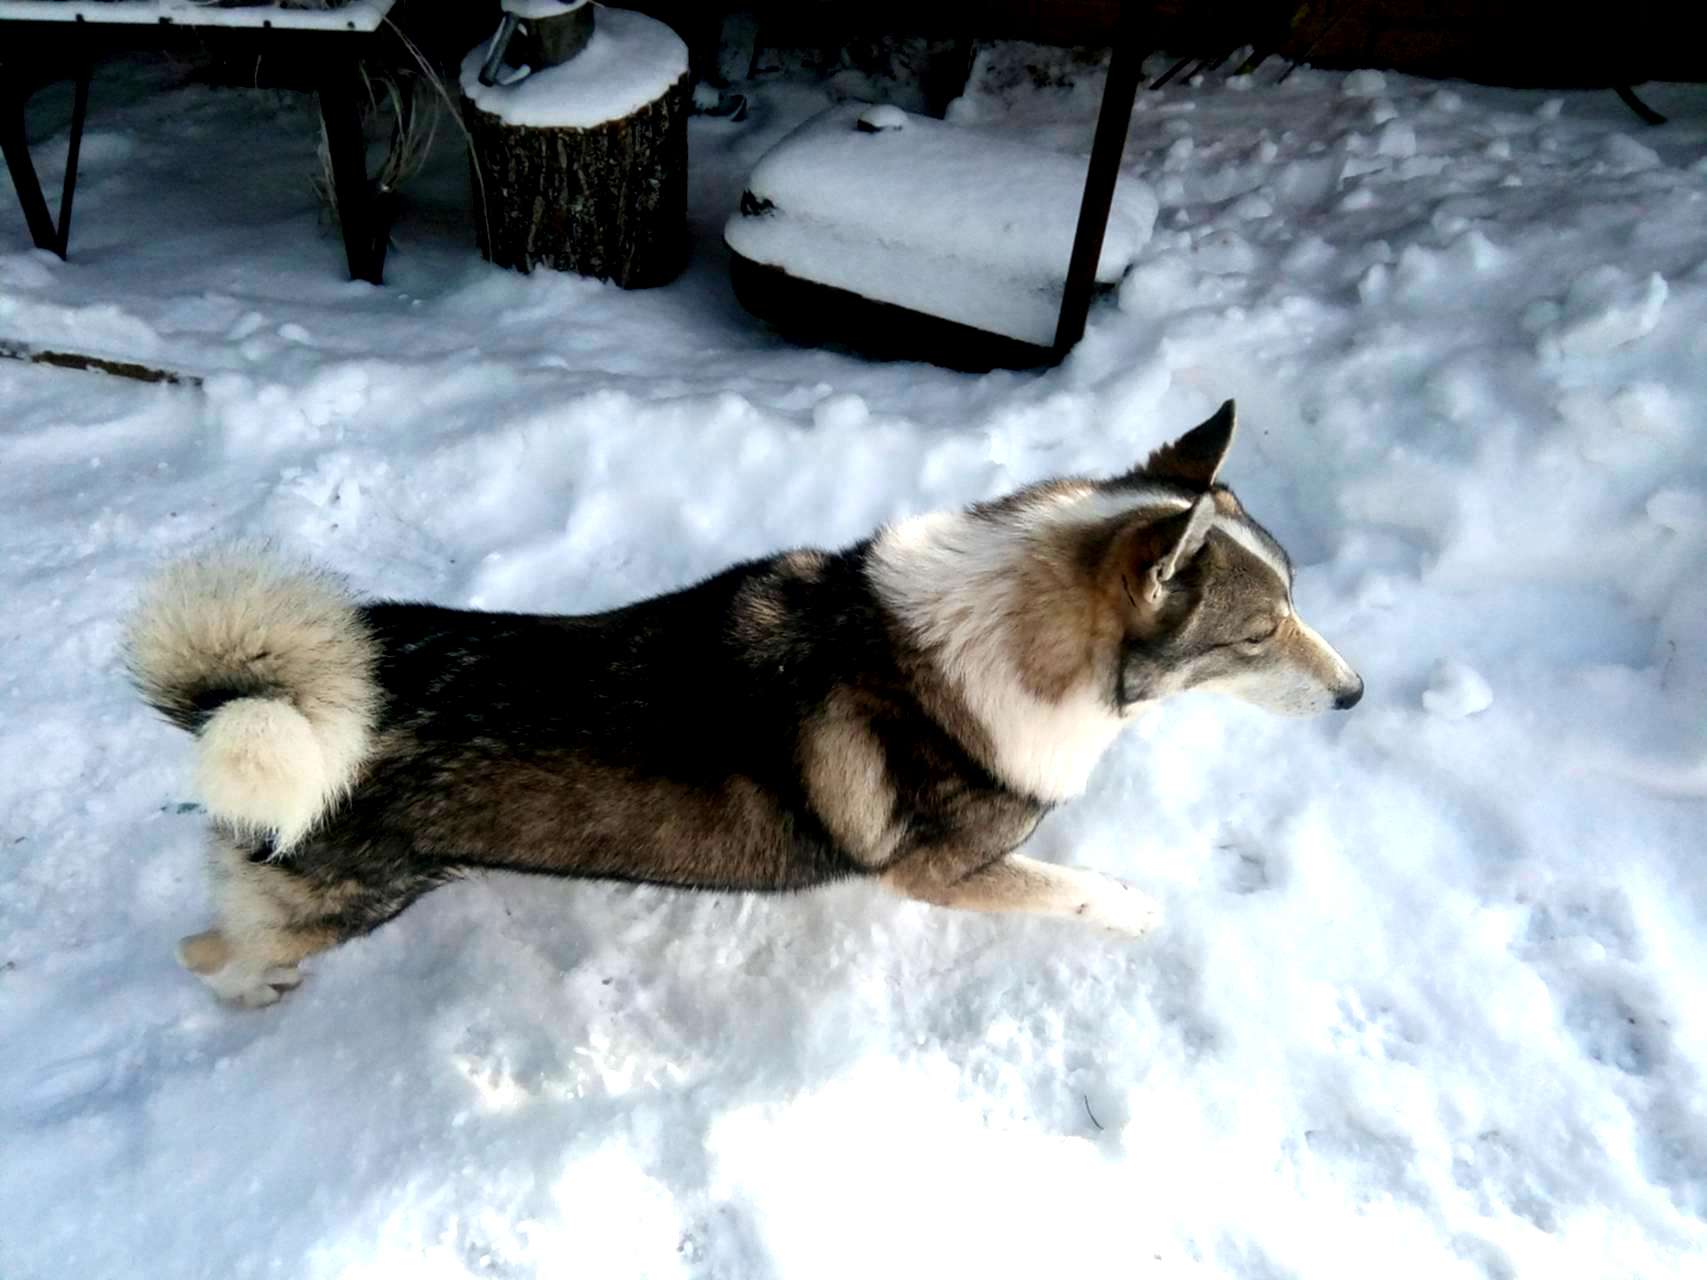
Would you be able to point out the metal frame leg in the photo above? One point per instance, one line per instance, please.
(1113, 121)
(1628, 97)
(73, 149)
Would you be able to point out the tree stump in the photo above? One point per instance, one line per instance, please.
(583, 167)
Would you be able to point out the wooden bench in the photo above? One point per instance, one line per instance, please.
(46, 40)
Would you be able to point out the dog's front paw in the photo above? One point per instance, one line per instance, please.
(1119, 908)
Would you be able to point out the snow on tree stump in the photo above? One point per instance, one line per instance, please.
(583, 167)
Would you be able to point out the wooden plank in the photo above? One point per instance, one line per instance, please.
(97, 364)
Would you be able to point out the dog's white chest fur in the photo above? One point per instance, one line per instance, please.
(1045, 749)
(951, 578)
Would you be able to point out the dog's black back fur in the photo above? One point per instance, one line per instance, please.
(659, 742)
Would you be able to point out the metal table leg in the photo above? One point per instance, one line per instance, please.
(73, 149)
(16, 147)
(1113, 120)
(14, 142)
(358, 212)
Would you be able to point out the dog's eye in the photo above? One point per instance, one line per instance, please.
(1261, 636)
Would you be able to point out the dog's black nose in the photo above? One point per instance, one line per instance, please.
(1346, 701)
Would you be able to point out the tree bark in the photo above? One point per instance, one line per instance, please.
(607, 201)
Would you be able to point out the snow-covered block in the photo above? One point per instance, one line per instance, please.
(945, 221)
(632, 60)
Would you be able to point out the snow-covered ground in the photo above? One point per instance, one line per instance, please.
(1429, 999)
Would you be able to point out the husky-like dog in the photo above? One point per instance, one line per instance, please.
(908, 708)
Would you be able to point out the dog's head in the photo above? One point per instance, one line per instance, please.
(1205, 593)
(1060, 611)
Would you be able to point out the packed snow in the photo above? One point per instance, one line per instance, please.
(958, 222)
(1427, 1000)
(630, 61)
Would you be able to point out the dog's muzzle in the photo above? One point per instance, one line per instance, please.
(1346, 701)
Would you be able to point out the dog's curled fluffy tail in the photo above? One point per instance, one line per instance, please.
(269, 664)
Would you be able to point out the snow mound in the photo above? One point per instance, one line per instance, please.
(1455, 691)
(1624, 154)
(1364, 84)
(1679, 510)
(1607, 308)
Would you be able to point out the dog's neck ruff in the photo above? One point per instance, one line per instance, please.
(955, 580)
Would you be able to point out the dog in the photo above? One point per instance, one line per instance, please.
(907, 709)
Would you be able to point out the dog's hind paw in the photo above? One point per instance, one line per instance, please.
(267, 987)
(211, 957)
(1119, 908)
(253, 989)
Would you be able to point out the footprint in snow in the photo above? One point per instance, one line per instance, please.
(1244, 868)
(1610, 1028)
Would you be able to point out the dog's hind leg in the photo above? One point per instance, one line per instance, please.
(272, 915)
(1015, 883)
(268, 919)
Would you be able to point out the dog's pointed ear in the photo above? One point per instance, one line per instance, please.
(1194, 459)
(1193, 533)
